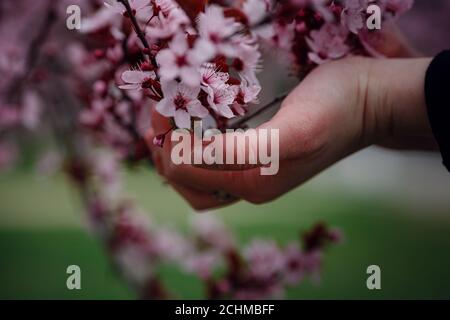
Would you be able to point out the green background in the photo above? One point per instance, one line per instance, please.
(42, 232)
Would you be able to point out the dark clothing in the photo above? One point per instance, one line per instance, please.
(437, 94)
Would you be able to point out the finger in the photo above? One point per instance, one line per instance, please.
(201, 201)
(238, 150)
(249, 185)
(266, 146)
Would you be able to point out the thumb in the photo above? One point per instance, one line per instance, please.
(240, 149)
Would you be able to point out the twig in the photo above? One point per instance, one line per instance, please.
(138, 31)
(243, 120)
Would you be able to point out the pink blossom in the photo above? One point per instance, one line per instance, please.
(264, 258)
(294, 269)
(136, 265)
(245, 94)
(181, 61)
(180, 102)
(166, 6)
(220, 100)
(212, 77)
(171, 245)
(257, 10)
(212, 232)
(102, 18)
(215, 28)
(353, 14)
(135, 79)
(278, 35)
(202, 264)
(328, 43)
(319, 6)
(167, 24)
(141, 8)
(95, 114)
(311, 264)
(9, 115)
(248, 93)
(248, 58)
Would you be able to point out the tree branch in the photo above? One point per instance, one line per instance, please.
(243, 120)
(138, 31)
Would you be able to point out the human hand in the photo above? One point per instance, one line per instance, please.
(340, 108)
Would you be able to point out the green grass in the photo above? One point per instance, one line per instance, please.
(41, 233)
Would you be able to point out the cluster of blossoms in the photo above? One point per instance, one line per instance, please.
(260, 270)
(187, 59)
(201, 61)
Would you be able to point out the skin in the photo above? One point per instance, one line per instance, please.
(340, 108)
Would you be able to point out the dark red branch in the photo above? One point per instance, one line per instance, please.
(139, 31)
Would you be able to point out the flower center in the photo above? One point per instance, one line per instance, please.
(181, 61)
(238, 64)
(147, 83)
(180, 102)
(215, 38)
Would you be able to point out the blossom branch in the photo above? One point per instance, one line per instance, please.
(139, 31)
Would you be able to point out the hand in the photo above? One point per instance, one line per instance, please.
(340, 108)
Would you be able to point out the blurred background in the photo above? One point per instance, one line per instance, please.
(393, 208)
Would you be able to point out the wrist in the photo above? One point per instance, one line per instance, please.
(395, 104)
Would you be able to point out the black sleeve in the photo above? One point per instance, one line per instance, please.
(437, 94)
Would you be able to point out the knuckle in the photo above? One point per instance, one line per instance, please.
(309, 133)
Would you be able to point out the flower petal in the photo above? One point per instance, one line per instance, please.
(196, 109)
(226, 111)
(179, 44)
(130, 87)
(169, 88)
(182, 119)
(135, 76)
(166, 108)
(190, 76)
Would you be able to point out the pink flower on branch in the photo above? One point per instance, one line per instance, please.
(181, 103)
(137, 80)
(180, 61)
(328, 43)
(141, 8)
(215, 28)
(354, 13)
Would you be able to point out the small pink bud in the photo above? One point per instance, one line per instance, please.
(159, 140)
